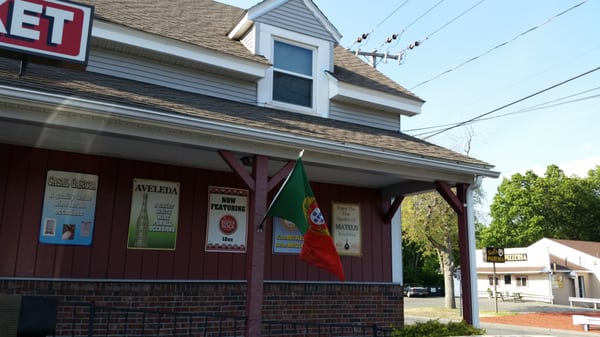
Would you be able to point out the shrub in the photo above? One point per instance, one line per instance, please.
(434, 328)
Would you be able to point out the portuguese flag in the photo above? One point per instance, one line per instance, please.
(295, 202)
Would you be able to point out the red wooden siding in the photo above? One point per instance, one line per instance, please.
(22, 180)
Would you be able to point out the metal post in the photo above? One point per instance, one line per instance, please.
(495, 290)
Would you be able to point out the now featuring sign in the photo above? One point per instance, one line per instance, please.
(47, 28)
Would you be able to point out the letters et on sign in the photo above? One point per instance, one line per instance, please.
(51, 28)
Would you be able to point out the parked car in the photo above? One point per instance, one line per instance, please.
(412, 289)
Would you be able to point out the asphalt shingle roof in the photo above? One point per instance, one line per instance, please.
(205, 23)
(589, 247)
(126, 92)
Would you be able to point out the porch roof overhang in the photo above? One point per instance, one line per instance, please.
(77, 122)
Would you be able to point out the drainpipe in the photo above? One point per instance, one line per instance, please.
(471, 233)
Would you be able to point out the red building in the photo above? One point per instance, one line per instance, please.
(186, 113)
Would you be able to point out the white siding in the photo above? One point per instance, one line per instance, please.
(178, 78)
(294, 16)
(364, 116)
(249, 40)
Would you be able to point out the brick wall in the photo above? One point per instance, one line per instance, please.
(368, 304)
(364, 304)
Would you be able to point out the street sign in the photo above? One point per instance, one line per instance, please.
(493, 254)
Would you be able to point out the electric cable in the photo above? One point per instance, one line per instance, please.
(365, 36)
(545, 105)
(398, 35)
(514, 102)
(419, 42)
(499, 46)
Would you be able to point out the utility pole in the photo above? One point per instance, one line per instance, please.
(373, 55)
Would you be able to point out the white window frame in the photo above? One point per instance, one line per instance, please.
(312, 76)
(322, 62)
(519, 281)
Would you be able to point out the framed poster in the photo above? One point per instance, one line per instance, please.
(287, 238)
(227, 224)
(346, 228)
(154, 215)
(69, 208)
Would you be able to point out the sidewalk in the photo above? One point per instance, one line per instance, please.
(487, 305)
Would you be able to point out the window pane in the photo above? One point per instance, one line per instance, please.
(292, 89)
(292, 58)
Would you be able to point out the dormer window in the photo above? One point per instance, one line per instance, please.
(292, 74)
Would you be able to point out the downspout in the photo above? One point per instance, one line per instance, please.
(472, 261)
(396, 223)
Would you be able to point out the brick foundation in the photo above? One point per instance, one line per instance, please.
(366, 304)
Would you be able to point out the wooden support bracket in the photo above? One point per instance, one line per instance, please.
(389, 213)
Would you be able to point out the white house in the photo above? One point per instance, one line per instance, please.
(549, 270)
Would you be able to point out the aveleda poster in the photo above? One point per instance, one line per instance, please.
(154, 214)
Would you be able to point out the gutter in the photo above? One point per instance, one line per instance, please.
(351, 151)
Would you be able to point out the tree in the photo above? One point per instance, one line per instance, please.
(529, 207)
(429, 221)
(419, 267)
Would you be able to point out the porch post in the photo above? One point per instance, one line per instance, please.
(255, 261)
(260, 184)
(255, 255)
(465, 256)
(458, 202)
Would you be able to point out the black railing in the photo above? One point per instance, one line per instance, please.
(91, 320)
(88, 319)
(302, 329)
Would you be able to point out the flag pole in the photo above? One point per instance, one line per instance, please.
(260, 227)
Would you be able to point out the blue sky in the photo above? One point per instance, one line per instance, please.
(542, 49)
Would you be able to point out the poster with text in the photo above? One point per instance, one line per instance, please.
(154, 215)
(69, 208)
(287, 238)
(227, 220)
(346, 228)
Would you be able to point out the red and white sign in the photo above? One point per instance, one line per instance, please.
(227, 223)
(48, 28)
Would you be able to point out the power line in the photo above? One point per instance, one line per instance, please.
(545, 105)
(514, 102)
(398, 35)
(365, 36)
(454, 19)
(500, 45)
(419, 42)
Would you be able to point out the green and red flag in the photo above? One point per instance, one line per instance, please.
(295, 202)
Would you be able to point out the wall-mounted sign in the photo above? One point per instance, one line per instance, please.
(346, 228)
(227, 220)
(48, 28)
(69, 208)
(154, 215)
(493, 254)
(287, 238)
(558, 281)
(515, 257)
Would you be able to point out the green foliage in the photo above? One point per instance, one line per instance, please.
(419, 267)
(529, 207)
(434, 328)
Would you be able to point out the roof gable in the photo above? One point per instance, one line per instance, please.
(300, 16)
